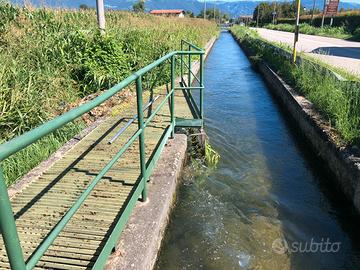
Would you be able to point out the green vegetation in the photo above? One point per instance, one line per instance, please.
(357, 34)
(346, 24)
(349, 21)
(84, 6)
(52, 58)
(214, 14)
(326, 31)
(337, 101)
(139, 6)
(212, 157)
(203, 158)
(266, 9)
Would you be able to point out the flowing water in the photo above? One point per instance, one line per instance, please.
(269, 204)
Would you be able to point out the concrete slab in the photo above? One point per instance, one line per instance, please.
(141, 239)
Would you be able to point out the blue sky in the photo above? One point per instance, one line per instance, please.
(352, 1)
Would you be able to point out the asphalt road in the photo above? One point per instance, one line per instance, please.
(337, 52)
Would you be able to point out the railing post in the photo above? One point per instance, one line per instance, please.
(181, 63)
(172, 107)
(8, 229)
(202, 86)
(189, 63)
(141, 136)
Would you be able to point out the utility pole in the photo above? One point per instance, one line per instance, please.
(214, 14)
(312, 13)
(296, 34)
(101, 15)
(323, 15)
(257, 16)
(204, 9)
(274, 13)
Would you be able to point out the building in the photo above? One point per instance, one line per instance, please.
(169, 12)
(244, 19)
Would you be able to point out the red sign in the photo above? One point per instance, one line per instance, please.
(331, 7)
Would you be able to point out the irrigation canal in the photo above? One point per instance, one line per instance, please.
(267, 189)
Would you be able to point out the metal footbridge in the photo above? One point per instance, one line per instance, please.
(71, 217)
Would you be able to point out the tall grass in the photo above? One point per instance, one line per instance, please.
(337, 101)
(52, 58)
(326, 31)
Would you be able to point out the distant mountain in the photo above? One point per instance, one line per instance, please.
(235, 9)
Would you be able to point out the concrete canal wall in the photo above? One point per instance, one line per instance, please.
(344, 162)
(141, 239)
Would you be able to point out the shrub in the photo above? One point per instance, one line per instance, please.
(357, 34)
(350, 20)
(337, 32)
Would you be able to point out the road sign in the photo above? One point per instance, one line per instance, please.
(332, 7)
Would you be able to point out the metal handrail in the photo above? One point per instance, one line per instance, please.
(190, 88)
(190, 76)
(190, 97)
(191, 45)
(192, 73)
(11, 147)
(132, 120)
(7, 221)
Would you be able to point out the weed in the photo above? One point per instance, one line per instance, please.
(212, 157)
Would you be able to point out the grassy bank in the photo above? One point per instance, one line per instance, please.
(337, 101)
(347, 20)
(52, 58)
(335, 32)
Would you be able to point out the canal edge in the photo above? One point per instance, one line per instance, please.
(343, 162)
(141, 239)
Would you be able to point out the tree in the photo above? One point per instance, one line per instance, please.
(139, 6)
(212, 14)
(283, 10)
(265, 13)
(84, 7)
(225, 18)
(189, 13)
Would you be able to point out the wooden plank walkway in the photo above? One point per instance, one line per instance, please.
(41, 205)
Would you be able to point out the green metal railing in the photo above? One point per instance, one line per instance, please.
(7, 221)
(189, 81)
